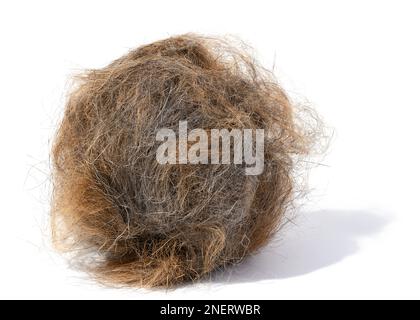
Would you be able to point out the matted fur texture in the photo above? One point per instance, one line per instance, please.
(129, 220)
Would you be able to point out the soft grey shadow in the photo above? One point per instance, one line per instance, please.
(313, 241)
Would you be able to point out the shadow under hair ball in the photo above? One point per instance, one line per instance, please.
(129, 220)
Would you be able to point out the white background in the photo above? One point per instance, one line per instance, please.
(358, 62)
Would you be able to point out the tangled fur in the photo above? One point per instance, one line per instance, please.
(128, 219)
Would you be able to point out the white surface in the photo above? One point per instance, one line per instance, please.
(356, 61)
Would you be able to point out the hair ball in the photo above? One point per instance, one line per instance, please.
(129, 220)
